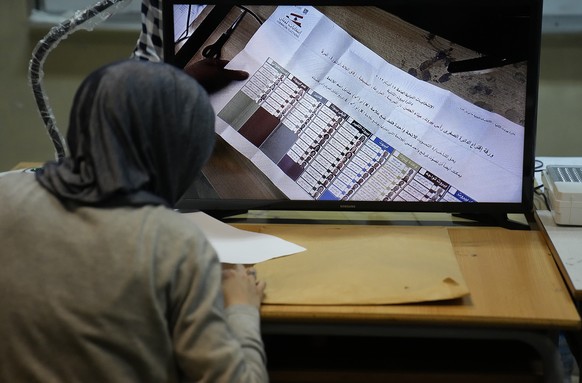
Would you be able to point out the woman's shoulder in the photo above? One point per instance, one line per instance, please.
(172, 221)
(173, 228)
(17, 187)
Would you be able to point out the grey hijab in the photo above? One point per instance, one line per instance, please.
(139, 133)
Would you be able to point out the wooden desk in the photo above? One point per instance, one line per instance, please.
(26, 165)
(517, 293)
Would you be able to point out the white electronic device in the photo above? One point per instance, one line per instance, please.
(563, 189)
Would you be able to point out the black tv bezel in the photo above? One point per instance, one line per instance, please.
(222, 207)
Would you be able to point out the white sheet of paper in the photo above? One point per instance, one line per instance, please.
(239, 246)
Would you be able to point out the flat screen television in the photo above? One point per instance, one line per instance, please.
(392, 105)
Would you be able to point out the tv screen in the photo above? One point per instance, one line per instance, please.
(392, 105)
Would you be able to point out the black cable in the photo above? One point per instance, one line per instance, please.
(251, 13)
(184, 35)
(538, 191)
(539, 165)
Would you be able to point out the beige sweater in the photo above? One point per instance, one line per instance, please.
(114, 295)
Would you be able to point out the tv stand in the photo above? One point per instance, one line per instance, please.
(375, 218)
(222, 214)
(498, 219)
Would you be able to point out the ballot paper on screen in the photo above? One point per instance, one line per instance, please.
(304, 66)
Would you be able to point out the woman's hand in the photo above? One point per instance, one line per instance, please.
(210, 73)
(240, 286)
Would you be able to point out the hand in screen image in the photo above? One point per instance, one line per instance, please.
(211, 74)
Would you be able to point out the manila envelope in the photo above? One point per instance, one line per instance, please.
(362, 265)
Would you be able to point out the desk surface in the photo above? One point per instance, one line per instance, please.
(511, 275)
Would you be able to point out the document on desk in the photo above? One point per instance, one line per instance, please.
(238, 246)
(363, 265)
(319, 104)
